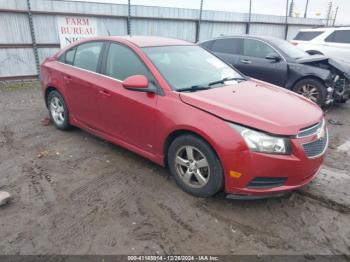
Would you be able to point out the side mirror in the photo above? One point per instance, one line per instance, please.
(273, 57)
(136, 82)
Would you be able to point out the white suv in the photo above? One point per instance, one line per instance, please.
(331, 42)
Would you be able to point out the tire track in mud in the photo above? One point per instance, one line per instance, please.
(98, 206)
(325, 202)
(300, 224)
(72, 233)
(6, 137)
(93, 185)
(267, 237)
(175, 217)
(109, 178)
(152, 229)
(39, 183)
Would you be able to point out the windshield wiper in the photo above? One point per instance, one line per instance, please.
(193, 88)
(222, 81)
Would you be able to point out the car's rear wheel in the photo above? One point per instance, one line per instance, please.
(58, 110)
(195, 166)
(312, 89)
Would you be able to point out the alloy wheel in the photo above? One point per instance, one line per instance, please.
(309, 91)
(192, 166)
(57, 110)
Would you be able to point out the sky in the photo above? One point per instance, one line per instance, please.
(317, 8)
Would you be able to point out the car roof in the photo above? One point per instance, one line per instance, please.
(144, 41)
(324, 29)
(265, 38)
(141, 41)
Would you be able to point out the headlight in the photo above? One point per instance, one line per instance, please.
(262, 142)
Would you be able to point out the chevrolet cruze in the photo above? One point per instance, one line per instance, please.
(181, 107)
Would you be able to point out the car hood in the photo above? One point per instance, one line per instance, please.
(336, 63)
(311, 58)
(259, 105)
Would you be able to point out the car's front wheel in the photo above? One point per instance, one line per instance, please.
(312, 89)
(195, 166)
(58, 110)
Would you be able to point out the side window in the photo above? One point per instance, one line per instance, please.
(62, 58)
(307, 35)
(228, 46)
(339, 36)
(122, 62)
(87, 55)
(207, 44)
(257, 48)
(68, 56)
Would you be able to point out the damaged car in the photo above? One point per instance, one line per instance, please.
(182, 107)
(319, 78)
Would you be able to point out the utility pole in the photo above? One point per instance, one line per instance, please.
(128, 22)
(329, 12)
(286, 22)
(291, 8)
(199, 21)
(335, 15)
(306, 7)
(32, 34)
(249, 17)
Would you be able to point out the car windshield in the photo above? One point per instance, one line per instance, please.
(190, 66)
(291, 50)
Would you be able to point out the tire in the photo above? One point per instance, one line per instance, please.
(192, 175)
(59, 115)
(342, 100)
(309, 86)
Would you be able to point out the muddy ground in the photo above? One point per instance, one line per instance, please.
(74, 193)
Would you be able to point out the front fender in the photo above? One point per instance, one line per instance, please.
(299, 71)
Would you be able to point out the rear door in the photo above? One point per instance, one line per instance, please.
(228, 49)
(80, 78)
(337, 45)
(253, 62)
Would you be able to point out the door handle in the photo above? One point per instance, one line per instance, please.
(246, 61)
(67, 77)
(104, 92)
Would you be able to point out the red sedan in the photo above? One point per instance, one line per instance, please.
(182, 107)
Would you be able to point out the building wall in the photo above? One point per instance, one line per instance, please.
(16, 47)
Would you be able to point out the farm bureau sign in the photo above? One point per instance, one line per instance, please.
(71, 28)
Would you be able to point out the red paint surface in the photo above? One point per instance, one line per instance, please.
(142, 122)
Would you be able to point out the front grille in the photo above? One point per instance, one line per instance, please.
(267, 182)
(308, 131)
(316, 148)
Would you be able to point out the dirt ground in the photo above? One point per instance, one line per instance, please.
(74, 193)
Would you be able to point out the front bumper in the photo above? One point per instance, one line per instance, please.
(295, 170)
(249, 193)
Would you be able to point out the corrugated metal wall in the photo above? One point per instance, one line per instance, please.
(209, 30)
(14, 28)
(16, 46)
(177, 29)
